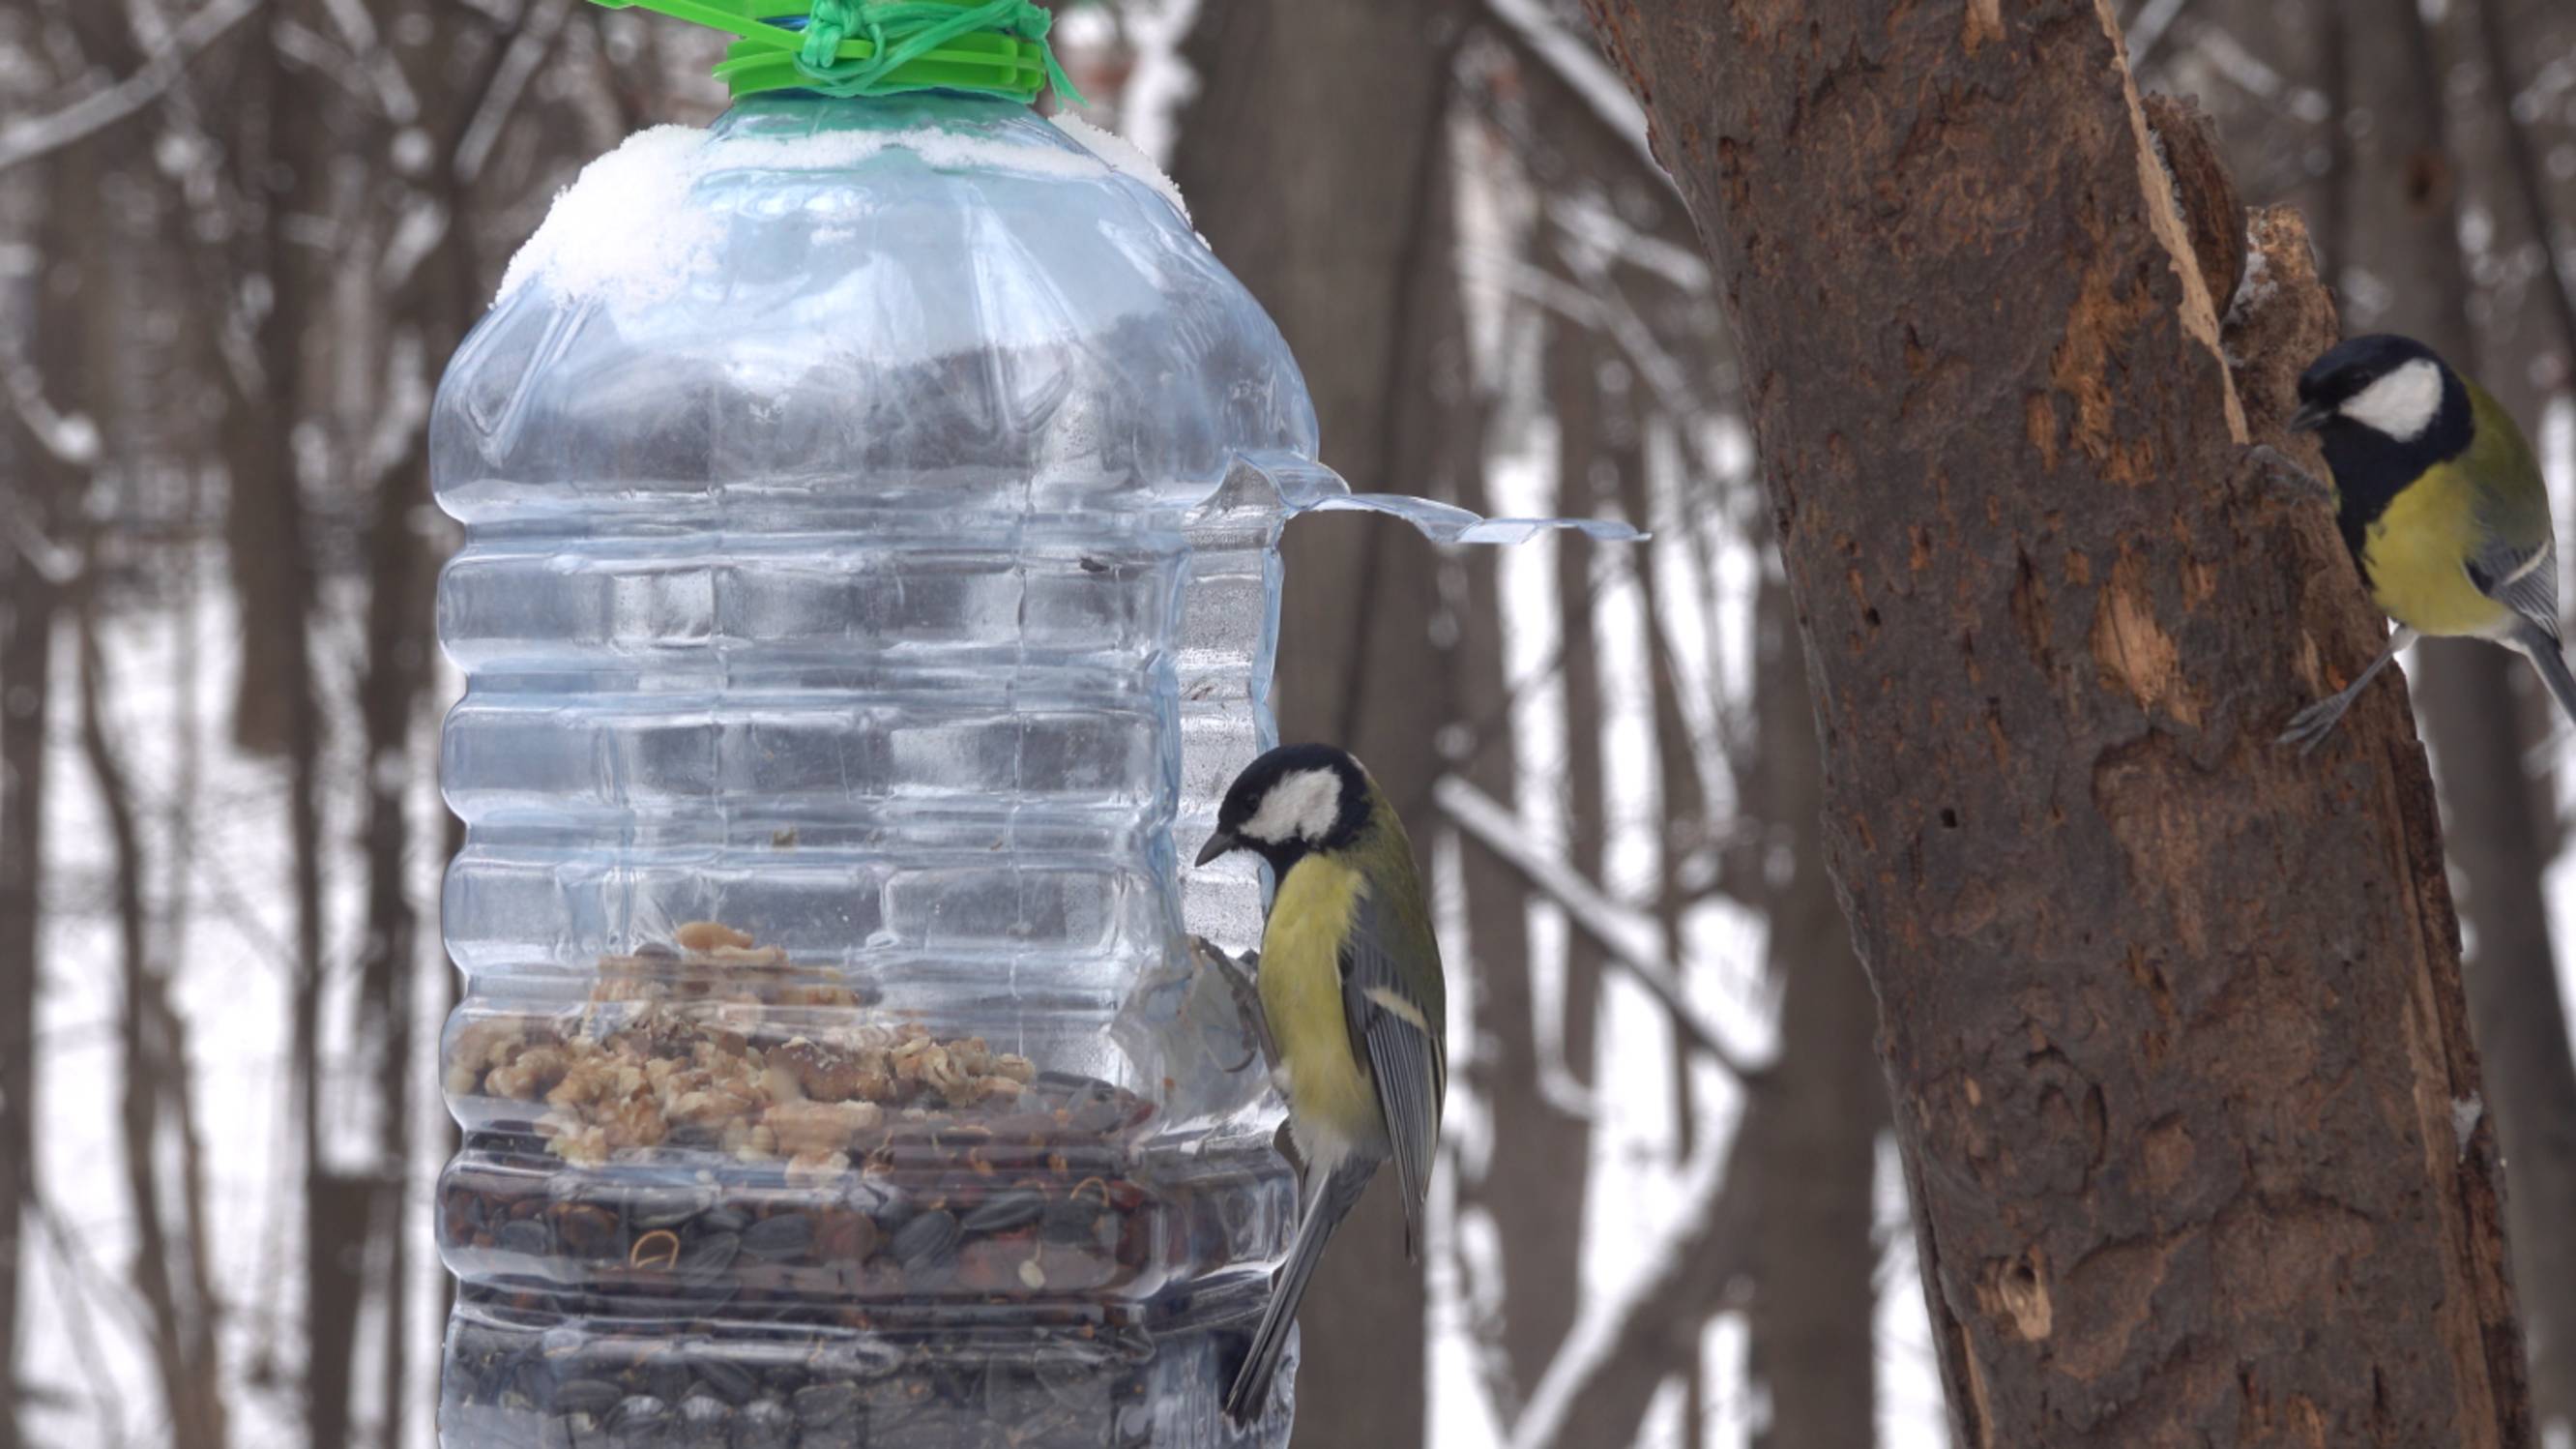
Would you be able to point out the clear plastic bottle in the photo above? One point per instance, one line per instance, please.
(870, 519)
(871, 562)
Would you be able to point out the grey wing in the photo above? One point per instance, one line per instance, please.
(2524, 580)
(1398, 1034)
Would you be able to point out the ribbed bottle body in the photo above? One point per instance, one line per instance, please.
(860, 584)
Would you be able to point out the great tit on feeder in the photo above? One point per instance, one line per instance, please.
(1350, 981)
(2441, 502)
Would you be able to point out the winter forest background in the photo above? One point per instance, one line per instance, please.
(238, 239)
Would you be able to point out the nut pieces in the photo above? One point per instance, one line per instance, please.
(671, 1050)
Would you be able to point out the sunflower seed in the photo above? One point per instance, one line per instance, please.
(779, 1238)
(722, 1378)
(587, 1396)
(701, 1411)
(708, 1258)
(764, 1424)
(639, 1416)
(822, 1406)
(1009, 1210)
(926, 1237)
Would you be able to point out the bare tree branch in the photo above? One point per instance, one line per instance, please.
(1624, 1346)
(500, 97)
(1628, 935)
(1528, 27)
(2148, 30)
(2522, 159)
(181, 1331)
(26, 139)
(74, 1271)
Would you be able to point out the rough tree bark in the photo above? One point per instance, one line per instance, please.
(2404, 190)
(2172, 1016)
(1327, 225)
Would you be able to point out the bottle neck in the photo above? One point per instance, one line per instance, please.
(807, 113)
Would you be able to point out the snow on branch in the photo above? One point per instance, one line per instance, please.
(25, 139)
(1631, 938)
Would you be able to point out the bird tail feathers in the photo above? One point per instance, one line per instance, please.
(1333, 1199)
(2545, 654)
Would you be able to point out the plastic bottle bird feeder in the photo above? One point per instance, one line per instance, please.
(871, 511)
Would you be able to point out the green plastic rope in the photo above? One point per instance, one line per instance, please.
(879, 47)
(902, 31)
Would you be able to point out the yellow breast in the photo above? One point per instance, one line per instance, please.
(2416, 551)
(1331, 1103)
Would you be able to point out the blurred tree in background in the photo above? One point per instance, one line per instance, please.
(238, 239)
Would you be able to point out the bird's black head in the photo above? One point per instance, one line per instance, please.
(2383, 388)
(2386, 409)
(1295, 799)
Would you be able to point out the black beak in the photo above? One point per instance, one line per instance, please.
(2310, 418)
(1218, 844)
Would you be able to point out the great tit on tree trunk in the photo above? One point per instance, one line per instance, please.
(2442, 504)
(1350, 981)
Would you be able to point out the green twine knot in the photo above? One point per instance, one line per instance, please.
(899, 32)
(880, 47)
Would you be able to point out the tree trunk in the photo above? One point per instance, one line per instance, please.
(58, 353)
(179, 1314)
(31, 595)
(1327, 224)
(28, 600)
(278, 137)
(1811, 1145)
(398, 649)
(1535, 1180)
(434, 309)
(2172, 1015)
(1535, 1202)
(2404, 193)
(1681, 803)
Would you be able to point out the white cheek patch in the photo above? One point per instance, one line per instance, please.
(1301, 806)
(2402, 404)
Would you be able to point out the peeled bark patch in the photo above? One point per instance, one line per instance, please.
(2212, 214)
(2172, 1015)
(1985, 22)
(2134, 649)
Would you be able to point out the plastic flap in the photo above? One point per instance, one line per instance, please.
(1306, 486)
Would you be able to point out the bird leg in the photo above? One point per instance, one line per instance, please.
(2309, 727)
(1247, 999)
(2284, 472)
